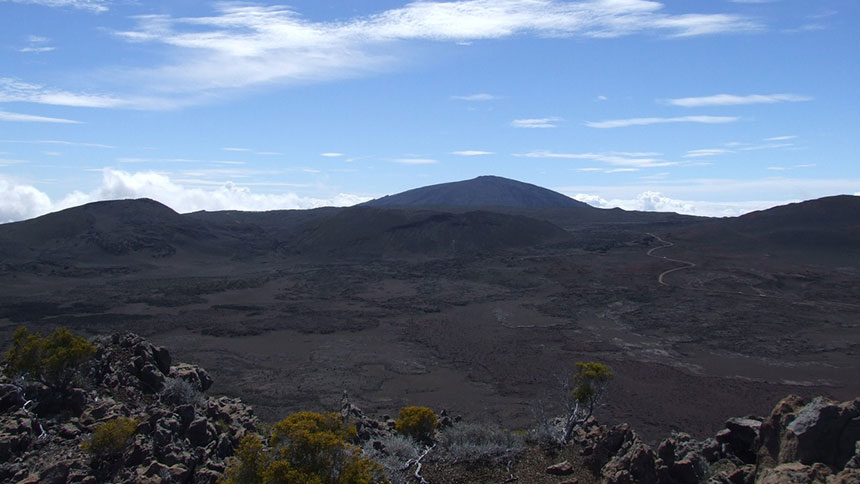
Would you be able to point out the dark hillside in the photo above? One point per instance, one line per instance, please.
(366, 231)
(830, 223)
(483, 191)
(99, 229)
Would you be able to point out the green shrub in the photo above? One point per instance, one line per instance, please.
(249, 463)
(304, 448)
(111, 437)
(590, 382)
(53, 360)
(417, 422)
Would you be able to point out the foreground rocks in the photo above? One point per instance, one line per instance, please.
(181, 436)
(808, 442)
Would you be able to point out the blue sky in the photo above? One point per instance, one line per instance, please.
(713, 107)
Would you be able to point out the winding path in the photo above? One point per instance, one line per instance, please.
(650, 253)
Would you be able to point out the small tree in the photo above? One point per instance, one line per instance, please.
(304, 448)
(110, 438)
(53, 360)
(417, 422)
(589, 387)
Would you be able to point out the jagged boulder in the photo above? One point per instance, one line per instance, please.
(681, 460)
(561, 469)
(11, 398)
(821, 431)
(185, 442)
(634, 464)
(193, 374)
(773, 429)
(739, 438)
(795, 473)
(600, 444)
(618, 455)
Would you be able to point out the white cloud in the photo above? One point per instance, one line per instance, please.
(621, 170)
(243, 44)
(57, 142)
(735, 100)
(97, 6)
(622, 123)
(331, 154)
(241, 150)
(475, 97)
(13, 90)
(472, 153)
(21, 201)
(623, 159)
(29, 118)
(769, 146)
(780, 138)
(414, 161)
(651, 201)
(718, 196)
(706, 152)
(18, 202)
(536, 122)
(37, 44)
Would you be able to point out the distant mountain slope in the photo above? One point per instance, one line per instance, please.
(823, 225)
(116, 227)
(483, 191)
(369, 231)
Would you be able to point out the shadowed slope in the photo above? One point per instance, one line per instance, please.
(483, 191)
(94, 230)
(367, 231)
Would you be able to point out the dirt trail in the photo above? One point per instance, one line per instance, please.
(650, 253)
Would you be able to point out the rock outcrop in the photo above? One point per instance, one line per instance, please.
(801, 442)
(181, 436)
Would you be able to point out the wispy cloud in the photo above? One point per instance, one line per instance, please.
(132, 159)
(736, 100)
(414, 161)
(97, 6)
(623, 123)
(781, 138)
(768, 146)
(615, 158)
(475, 97)
(551, 122)
(706, 152)
(472, 153)
(57, 142)
(241, 150)
(331, 154)
(242, 45)
(37, 44)
(29, 118)
(13, 90)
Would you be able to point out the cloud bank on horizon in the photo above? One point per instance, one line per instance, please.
(263, 105)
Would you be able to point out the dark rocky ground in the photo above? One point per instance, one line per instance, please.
(484, 334)
(180, 435)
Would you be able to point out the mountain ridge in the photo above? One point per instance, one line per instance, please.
(482, 191)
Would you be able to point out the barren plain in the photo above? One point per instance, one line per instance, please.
(485, 333)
